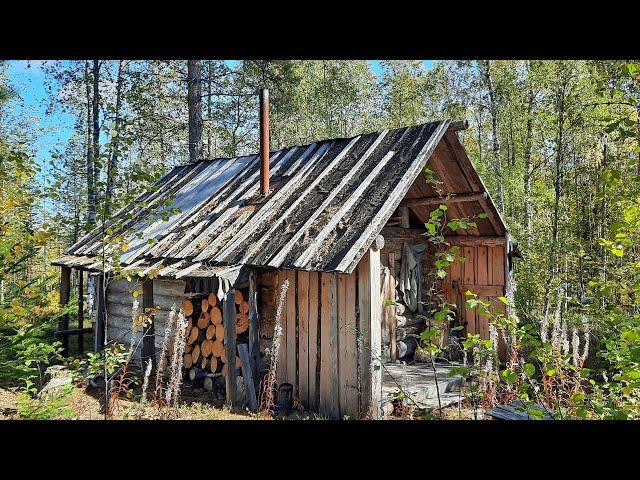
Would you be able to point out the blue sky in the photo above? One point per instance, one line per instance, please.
(28, 79)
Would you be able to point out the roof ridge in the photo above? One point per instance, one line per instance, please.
(312, 142)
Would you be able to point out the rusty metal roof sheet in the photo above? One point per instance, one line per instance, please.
(329, 200)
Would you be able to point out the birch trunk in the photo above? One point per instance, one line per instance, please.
(115, 142)
(494, 125)
(91, 203)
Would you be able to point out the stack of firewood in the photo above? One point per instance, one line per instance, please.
(204, 354)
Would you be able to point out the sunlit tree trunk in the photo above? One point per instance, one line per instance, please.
(493, 110)
(115, 142)
(194, 102)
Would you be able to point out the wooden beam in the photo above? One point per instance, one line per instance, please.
(229, 320)
(81, 312)
(426, 201)
(101, 313)
(395, 236)
(148, 333)
(72, 331)
(404, 216)
(247, 375)
(329, 376)
(254, 329)
(370, 330)
(65, 291)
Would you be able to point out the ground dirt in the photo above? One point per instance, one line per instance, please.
(83, 403)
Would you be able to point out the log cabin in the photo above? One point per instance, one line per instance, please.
(335, 219)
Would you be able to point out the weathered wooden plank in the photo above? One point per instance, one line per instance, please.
(376, 357)
(391, 295)
(314, 306)
(267, 209)
(65, 292)
(364, 333)
(329, 386)
(404, 216)
(101, 313)
(482, 290)
(456, 270)
(342, 342)
(481, 265)
(80, 311)
(498, 265)
(349, 360)
(469, 268)
(303, 337)
(369, 306)
(148, 332)
(384, 288)
(349, 261)
(292, 338)
(229, 321)
(278, 259)
(254, 329)
(435, 201)
(337, 217)
(247, 375)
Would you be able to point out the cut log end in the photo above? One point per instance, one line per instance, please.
(212, 299)
(187, 307)
(211, 332)
(216, 316)
(187, 359)
(217, 348)
(239, 298)
(242, 323)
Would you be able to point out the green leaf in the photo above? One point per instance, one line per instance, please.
(529, 369)
(578, 397)
(504, 300)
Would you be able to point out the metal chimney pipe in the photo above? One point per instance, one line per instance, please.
(264, 141)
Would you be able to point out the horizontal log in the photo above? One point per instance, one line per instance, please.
(471, 241)
(417, 235)
(73, 331)
(427, 201)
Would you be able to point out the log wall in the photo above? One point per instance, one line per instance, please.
(120, 305)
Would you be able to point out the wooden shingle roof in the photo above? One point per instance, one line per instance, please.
(329, 201)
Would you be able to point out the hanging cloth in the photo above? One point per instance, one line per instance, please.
(411, 276)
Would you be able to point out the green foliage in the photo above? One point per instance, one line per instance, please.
(50, 408)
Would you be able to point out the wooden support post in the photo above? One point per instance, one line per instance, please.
(254, 330)
(247, 374)
(80, 311)
(404, 217)
(229, 320)
(393, 278)
(65, 290)
(101, 313)
(370, 308)
(148, 333)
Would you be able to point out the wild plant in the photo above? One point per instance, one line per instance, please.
(169, 329)
(269, 383)
(175, 380)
